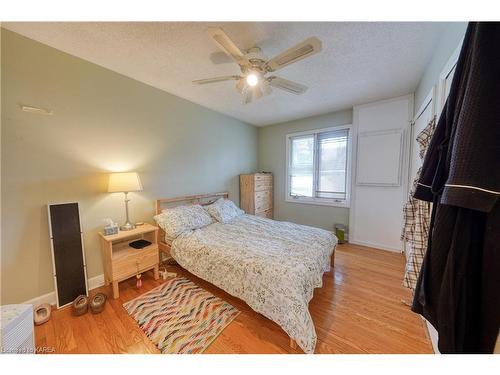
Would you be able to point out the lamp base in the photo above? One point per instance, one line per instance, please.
(127, 226)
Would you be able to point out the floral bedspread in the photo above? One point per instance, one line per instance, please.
(273, 266)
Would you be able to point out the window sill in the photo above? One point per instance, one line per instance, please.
(317, 202)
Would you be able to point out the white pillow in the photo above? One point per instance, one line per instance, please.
(223, 210)
(177, 220)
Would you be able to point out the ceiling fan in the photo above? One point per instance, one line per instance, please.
(253, 82)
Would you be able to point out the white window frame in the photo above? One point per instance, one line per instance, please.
(313, 200)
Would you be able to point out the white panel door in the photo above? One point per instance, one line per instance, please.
(375, 217)
(445, 79)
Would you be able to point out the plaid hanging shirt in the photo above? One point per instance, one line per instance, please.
(416, 218)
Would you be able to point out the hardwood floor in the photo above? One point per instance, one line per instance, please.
(358, 310)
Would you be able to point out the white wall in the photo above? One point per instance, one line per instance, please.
(375, 217)
(451, 37)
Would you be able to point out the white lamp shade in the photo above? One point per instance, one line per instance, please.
(124, 182)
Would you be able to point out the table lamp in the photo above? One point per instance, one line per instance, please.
(125, 183)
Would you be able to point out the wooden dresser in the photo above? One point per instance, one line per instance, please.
(256, 194)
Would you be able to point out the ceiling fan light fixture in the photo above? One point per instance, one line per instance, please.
(252, 79)
(253, 83)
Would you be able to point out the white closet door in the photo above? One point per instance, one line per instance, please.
(379, 189)
(447, 82)
(445, 79)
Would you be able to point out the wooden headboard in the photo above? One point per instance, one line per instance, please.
(202, 199)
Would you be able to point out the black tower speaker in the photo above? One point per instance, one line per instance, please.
(70, 274)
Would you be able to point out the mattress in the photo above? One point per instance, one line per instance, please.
(273, 266)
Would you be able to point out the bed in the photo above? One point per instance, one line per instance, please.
(273, 266)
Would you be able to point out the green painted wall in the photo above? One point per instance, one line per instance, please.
(102, 122)
(272, 158)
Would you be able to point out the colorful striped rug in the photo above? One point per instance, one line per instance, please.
(179, 317)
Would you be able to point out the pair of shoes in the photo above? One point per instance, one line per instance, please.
(81, 304)
(42, 313)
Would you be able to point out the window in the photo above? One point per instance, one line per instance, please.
(318, 167)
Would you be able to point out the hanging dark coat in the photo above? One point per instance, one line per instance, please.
(458, 289)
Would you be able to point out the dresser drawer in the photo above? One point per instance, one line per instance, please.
(263, 182)
(266, 213)
(263, 197)
(133, 261)
(263, 177)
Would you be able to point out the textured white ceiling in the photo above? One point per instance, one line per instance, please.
(360, 62)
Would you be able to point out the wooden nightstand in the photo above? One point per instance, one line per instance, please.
(122, 261)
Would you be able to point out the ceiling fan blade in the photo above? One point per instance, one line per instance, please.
(227, 45)
(285, 84)
(302, 50)
(216, 79)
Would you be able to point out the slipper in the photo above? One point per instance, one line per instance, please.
(80, 305)
(42, 313)
(97, 303)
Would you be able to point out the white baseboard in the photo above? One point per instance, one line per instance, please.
(377, 246)
(50, 298)
(96, 281)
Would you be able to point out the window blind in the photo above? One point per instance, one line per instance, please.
(332, 164)
(318, 165)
